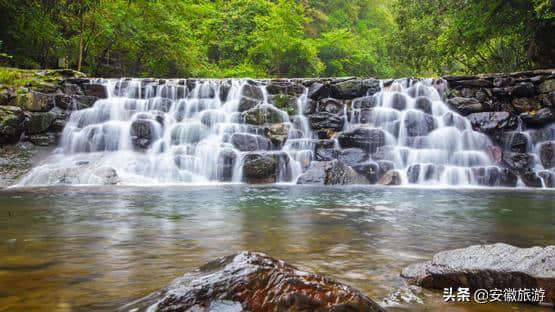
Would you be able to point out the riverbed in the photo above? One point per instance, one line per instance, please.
(97, 248)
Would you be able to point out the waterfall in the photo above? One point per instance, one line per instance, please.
(210, 131)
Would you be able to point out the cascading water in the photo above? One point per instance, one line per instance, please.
(204, 131)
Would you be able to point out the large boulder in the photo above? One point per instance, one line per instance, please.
(278, 133)
(493, 123)
(252, 281)
(418, 123)
(332, 172)
(265, 168)
(319, 90)
(326, 121)
(499, 266)
(518, 161)
(495, 176)
(252, 91)
(330, 105)
(351, 156)
(537, 119)
(355, 88)
(465, 106)
(530, 178)
(547, 154)
(39, 122)
(93, 89)
(368, 139)
(547, 86)
(35, 101)
(284, 87)
(515, 141)
(12, 120)
(249, 142)
(263, 114)
(142, 133)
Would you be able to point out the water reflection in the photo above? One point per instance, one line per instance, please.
(67, 249)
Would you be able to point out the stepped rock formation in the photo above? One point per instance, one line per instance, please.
(489, 130)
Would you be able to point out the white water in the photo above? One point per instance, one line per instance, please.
(190, 125)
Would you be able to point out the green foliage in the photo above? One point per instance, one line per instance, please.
(278, 38)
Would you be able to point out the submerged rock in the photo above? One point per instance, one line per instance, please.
(488, 266)
(332, 172)
(251, 281)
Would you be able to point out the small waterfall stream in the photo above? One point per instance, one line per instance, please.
(204, 131)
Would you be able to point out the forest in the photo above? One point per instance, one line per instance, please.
(278, 38)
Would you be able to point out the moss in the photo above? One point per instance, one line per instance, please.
(285, 102)
(41, 79)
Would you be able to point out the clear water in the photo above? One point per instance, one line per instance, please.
(96, 248)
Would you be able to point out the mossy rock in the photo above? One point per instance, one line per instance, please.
(35, 101)
(39, 122)
(11, 124)
(263, 114)
(286, 103)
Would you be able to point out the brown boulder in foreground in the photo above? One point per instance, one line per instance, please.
(251, 281)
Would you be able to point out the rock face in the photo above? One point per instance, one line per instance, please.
(332, 172)
(493, 123)
(251, 281)
(11, 124)
(488, 266)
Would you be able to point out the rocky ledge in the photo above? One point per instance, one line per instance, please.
(498, 266)
(251, 281)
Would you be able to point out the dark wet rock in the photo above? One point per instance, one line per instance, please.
(524, 89)
(264, 168)
(284, 87)
(332, 172)
(547, 154)
(212, 117)
(326, 121)
(355, 88)
(253, 92)
(465, 106)
(365, 138)
(246, 103)
(371, 171)
(263, 114)
(419, 123)
(12, 121)
(515, 141)
(453, 120)
(71, 89)
(39, 122)
(226, 165)
(493, 124)
(399, 101)
(92, 89)
(319, 90)
(499, 266)
(324, 150)
(251, 281)
(518, 161)
(142, 133)
(278, 134)
(495, 176)
(548, 178)
(424, 172)
(365, 102)
(538, 118)
(391, 177)
(423, 104)
(530, 179)
(249, 142)
(330, 105)
(351, 156)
